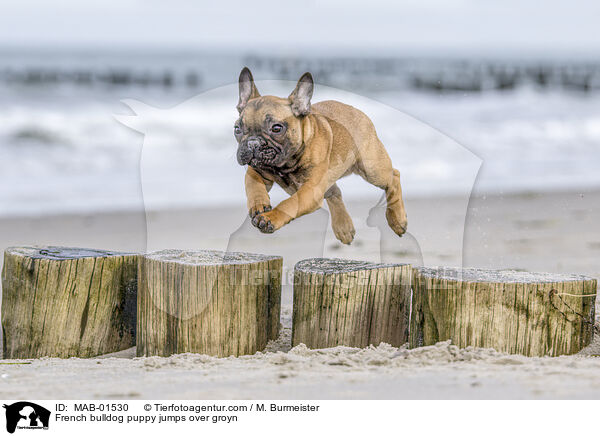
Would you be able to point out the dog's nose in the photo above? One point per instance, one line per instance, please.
(253, 143)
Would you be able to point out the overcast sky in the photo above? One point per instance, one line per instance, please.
(373, 24)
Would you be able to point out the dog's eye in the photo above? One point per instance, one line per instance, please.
(276, 128)
(237, 130)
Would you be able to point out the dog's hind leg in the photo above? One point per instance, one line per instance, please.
(395, 212)
(341, 223)
(378, 171)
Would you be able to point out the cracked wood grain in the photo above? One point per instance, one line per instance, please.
(210, 302)
(67, 302)
(534, 314)
(351, 303)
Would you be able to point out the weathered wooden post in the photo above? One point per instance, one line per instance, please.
(352, 303)
(67, 302)
(208, 302)
(534, 314)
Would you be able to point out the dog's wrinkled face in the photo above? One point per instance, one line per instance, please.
(267, 133)
(269, 130)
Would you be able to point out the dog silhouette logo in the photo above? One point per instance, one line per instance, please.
(26, 415)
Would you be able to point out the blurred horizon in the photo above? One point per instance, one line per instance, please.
(320, 50)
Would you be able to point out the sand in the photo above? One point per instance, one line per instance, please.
(554, 233)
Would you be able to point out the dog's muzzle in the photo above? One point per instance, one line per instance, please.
(256, 152)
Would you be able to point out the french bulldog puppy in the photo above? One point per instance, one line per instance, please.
(305, 148)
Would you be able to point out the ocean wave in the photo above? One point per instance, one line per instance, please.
(77, 156)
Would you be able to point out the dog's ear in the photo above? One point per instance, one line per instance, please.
(248, 90)
(300, 97)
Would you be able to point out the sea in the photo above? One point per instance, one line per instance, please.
(119, 129)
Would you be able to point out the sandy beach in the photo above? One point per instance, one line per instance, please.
(552, 232)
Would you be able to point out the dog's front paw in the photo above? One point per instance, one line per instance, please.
(260, 208)
(263, 223)
(268, 222)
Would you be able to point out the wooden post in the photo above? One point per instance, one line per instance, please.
(208, 302)
(67, 302)
(352, 303)
(534, 314)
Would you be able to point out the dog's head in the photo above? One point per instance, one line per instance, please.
(270, 130)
